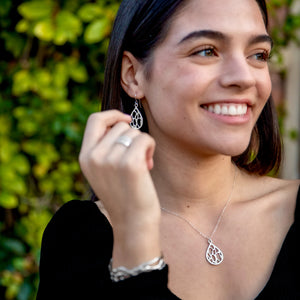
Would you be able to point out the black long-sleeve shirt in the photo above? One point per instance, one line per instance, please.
(77, 247)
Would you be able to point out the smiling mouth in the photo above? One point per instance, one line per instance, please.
(227, 109)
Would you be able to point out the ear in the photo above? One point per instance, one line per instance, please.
(132, 76)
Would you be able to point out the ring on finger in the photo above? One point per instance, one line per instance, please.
(124, 140)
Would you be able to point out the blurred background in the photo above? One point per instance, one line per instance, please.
(51, 72)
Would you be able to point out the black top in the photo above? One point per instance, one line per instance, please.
(77, 246)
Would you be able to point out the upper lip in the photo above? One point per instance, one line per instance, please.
(229, 101)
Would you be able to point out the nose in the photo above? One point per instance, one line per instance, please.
(236, 72)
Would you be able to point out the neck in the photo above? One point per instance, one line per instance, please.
(184, 182)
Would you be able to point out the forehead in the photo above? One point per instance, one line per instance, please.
(228, 16)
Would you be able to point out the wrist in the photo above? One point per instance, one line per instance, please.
(135, 245)
(121, 273)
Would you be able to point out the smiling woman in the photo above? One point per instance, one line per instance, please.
(183, 209)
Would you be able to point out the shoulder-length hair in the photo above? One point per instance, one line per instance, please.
(140, 26)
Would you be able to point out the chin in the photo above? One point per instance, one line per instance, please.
(234, 149)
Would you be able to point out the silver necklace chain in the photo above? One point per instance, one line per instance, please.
(213, 254)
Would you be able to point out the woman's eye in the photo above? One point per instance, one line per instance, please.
(206, 52)
(262, 56)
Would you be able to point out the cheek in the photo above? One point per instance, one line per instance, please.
(265, 87)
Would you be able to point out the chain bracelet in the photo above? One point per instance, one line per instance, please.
(121, 273)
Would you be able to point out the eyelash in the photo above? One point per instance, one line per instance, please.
(265, 55)
(206, 48)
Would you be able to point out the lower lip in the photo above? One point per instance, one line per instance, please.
(234, 120)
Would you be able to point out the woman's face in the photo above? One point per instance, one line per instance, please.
(209, 77)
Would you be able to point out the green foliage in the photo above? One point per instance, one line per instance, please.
(51, 70)
(285, 26)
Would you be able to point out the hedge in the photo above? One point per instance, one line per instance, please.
(51, 71)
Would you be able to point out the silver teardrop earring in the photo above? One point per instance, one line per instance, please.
(136, 116)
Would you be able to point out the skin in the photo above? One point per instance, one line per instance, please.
(187, 75)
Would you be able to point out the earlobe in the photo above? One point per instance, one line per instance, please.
(131, 72)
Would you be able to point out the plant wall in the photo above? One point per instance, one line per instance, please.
(51, 71)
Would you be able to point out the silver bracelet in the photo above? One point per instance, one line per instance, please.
(121, 273)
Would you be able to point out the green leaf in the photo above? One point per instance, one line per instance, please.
(7, 150)
(32, 227)
(78, 73)
(97, 31)
(5, 126)
(22, 26)
(42, 77)
(69, 27)
(8, 201)
(21, 164)
(46, 185)
(13, 245)
(28, 127)
(44, 30)
(13, 43)
(34, 10)
(293, 134)
(60, 75)
(89, 11)
(62, 106)
(21, 82)
(14, 185)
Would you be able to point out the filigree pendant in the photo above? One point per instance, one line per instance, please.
(213, 254)
(136, 117)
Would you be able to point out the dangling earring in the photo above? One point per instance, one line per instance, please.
(136, 116)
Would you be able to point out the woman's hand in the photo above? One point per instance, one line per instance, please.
(120, 177)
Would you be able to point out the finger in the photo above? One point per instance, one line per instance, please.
(140, 153)
(98, 124)
(109, 148)
(149, 157)
(109, 141)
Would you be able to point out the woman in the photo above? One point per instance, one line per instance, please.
(186, 208)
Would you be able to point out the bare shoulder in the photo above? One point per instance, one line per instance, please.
(263, 186)
(274, 194)
(281, 187)
(284, 190)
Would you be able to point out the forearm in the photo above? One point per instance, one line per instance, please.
(136, 242)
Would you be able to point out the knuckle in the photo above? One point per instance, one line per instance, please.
(81, 158)
(127, 165)
(147, 139)
(131, 166)
(92, 117)
(94, 158)
(115, 111)
(122, 126)
(83, 163)
(109, 162)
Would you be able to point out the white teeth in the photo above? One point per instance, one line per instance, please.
(231, 109)
(224, 110)
(240, 110)
(217, 109)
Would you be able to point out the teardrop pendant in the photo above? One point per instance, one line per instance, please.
(136, 117)
(214, 255)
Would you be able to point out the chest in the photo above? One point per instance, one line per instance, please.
(250, 252)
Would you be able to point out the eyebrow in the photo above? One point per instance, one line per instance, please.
(211, 34)
(217, 35)
(263, 38)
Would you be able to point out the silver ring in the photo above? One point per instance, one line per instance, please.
(124, 140)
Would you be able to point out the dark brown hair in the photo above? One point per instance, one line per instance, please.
(139, 27)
